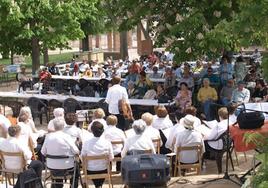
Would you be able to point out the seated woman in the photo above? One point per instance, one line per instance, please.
(206, 96)
(97, 145)
(143, 84)
(138, 142)
(162, 121)
(260, 92)
(184, 97)
(71, 129)
(131, 90)
(87, 73)
(98, 115)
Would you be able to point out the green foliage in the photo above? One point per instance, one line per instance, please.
(51, 22)
(260, 180)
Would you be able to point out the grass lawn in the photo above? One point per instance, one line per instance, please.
(57, 58)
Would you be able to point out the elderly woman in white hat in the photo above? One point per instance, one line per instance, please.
(58, 114)
(188, 137)
(139, 141)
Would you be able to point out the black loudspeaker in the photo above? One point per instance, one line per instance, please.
(145, 170)
(250, 120)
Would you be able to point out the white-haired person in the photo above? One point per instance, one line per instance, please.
(57, 144)
(27, 110)
(98, 115)
(71, 128)
(27, 138)
(152, 132)
(162, 120)
(96, 146)
(112, 133)
(58, 114)
(138, 142)
(13, 144)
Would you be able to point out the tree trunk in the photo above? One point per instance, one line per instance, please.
(46, 57)
(35, 55)
(5, 55)
(11, 57)
(85, 44)
(123, 45)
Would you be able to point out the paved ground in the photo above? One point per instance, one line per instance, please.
(208, 173)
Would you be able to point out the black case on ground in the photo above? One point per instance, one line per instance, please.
(145, 169)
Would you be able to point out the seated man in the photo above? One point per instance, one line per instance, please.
(138, 142)
(206, 96)
(240, 96)
(95, 146)
(24, 80)
(213, 78)
(188, 137)
(58, 114)
(57, 144)
(12, 144)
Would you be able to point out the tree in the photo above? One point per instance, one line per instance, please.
(36, 25)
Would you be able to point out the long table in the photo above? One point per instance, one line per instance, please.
(94, 79)
(59, 97)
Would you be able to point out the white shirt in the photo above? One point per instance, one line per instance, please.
(26, 134)
(83, 67)
(50, 126)
(171, 139)
(86, 135)
(112, 133)
(188, 138)
(4, 123)
(153, 133)
(59, 143)
(138, 142)
(97, 146)
(162, 123)
(101, 120)
(114, 94)
(232, 119)
(13, 144)
(217, 131)
(74, 132)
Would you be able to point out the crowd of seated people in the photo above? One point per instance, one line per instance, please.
(66, 138)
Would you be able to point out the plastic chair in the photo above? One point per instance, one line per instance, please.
(197, 165)
(71, 105)
(87, 177)
(15, 106)
(38, 108)
(68, 174)
(52, 104)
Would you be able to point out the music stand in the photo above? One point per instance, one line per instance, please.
(226, 175)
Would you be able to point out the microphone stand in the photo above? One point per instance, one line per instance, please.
(226, 175)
